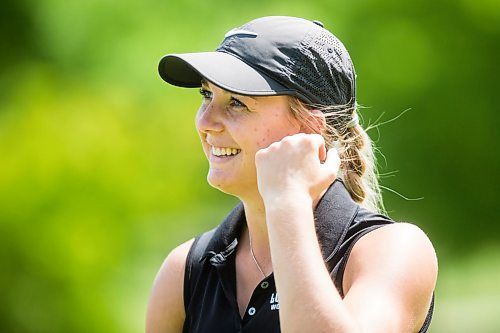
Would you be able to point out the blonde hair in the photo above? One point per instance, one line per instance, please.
(358, 165)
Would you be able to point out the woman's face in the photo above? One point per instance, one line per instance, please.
(233, 128)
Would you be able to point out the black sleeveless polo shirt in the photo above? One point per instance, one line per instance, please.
(210, 276)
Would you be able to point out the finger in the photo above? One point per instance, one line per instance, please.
(322, 153)
(318, 143)
(332, 161)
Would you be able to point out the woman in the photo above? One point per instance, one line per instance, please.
(306, 250)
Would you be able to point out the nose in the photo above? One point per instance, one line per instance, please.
(209, 118)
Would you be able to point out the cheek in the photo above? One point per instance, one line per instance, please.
(263, 137)
(268, 136)
(273, 134)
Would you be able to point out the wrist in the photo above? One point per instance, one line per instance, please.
(287, 200)
(288, 208)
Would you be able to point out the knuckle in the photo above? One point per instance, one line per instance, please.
(286, 143)
(310, 142)
(260, 154)
(273, 146)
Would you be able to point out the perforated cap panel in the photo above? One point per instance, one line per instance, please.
(275, 55)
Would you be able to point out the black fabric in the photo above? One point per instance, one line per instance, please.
(192, 271)
(274, 55)
(210, 302)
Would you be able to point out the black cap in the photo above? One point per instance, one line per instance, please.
(275, 55)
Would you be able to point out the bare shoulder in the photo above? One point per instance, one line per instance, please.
(396, 265)
(166, 305)
(400, 242)
(399, 245)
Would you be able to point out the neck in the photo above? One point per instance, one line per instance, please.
(257, 229)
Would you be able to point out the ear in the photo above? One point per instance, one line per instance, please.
(314, 123)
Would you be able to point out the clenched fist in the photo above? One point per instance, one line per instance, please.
(296, 165)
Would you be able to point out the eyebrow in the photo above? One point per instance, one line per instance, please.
(244, 96)
(205, 82)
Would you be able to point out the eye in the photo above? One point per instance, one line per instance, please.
(237, 104)
(205, 93)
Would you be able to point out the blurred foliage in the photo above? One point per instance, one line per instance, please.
(101, 173)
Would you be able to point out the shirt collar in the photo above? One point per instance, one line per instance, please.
(333, 215)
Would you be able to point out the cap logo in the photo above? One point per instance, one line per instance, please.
(240, 33)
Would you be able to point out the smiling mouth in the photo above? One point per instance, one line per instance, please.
(219, 151)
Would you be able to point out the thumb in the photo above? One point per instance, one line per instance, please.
(332, 161)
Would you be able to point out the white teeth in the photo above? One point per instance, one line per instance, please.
(225, 151)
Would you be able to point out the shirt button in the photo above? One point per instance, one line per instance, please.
(264, 285)
(251, 311)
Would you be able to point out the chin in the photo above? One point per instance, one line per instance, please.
(217, 182)
(226, 185)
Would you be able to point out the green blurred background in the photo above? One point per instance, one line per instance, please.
(101, 173)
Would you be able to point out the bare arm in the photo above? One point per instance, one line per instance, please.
(165, 312)
(390, 274)
(309, 301)
(389, 279)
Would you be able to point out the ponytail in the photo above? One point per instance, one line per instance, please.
(358, 165)
(359, 170)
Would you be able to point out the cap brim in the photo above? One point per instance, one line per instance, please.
(222, 69)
